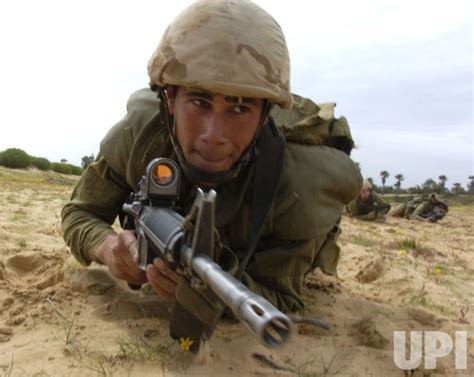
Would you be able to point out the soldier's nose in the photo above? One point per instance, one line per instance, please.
(214, 130)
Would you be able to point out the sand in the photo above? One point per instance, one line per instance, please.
(58, 318)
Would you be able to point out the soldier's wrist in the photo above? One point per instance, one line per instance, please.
(102, 251)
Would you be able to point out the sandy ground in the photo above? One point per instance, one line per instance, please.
(58, 318)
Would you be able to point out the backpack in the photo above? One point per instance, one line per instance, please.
(313, 124)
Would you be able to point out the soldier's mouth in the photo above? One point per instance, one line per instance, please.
(212, 162)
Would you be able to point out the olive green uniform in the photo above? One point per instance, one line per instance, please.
(360, 209)
(418, 209)
(316, 182)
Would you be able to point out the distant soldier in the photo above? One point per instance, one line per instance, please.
(429, 209)
(368, 205)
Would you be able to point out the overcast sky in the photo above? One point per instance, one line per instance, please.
(400, 71)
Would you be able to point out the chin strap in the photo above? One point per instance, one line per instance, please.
(195, 174)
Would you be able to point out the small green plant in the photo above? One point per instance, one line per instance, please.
(18, 215)
(140, 350)
(68, 326)
(407, 244)
(439, 272)
(21, 243)
(361, 241)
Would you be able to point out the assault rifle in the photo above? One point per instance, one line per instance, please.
(433, 216)
(189, 250)
(382, 209)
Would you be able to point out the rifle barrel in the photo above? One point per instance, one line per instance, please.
(271, 327)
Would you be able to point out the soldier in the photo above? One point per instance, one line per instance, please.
(219, 69)
(368, 205)
(429, 209)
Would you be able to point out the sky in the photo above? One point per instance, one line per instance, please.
(401, 72)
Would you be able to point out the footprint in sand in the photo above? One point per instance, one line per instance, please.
(366, 333)
(33, 269)
(5, 334)
(93, 281)
(371, 271)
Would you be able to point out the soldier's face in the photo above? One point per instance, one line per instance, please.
(213, 129)
(364, 193)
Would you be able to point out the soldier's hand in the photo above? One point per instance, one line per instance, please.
(163, 279)
(372, 215)
(119, 252)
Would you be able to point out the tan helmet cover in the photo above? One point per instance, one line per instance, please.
(366, 184)
(232, 47)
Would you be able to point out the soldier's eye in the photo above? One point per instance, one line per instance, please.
(240, 109)
(200, 103)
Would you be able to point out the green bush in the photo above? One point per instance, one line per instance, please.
(41, 163)
(15, 158)
(61, 168)
(75, 170)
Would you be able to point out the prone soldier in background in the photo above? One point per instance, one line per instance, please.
(368, 205)
(431, 209)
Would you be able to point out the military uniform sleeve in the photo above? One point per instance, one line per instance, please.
(378, 200)
(316, 183)
(94, 205)
(277, 274)
(353, 211)
(107, 182)
(419, 210)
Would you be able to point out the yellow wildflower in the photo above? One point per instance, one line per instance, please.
(185, 344)
(402, 252)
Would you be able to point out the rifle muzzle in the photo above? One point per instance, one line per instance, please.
(267, 323)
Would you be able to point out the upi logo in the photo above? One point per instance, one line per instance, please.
(436, 344)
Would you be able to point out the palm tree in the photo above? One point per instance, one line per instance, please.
(442, 182)
(384, 174)
(399, 178)
(470, 186)
(457, 189)
(87, 160)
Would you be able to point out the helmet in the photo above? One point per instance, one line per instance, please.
(232, 47)
(366, 184)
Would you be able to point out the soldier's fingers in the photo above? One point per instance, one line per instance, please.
(128, 251)
(157, 279)
(160, 292)
(165, 270)
(129, 278)
(161, 284)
